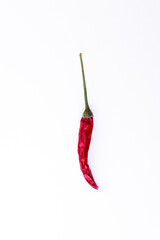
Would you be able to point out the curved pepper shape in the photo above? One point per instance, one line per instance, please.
(85, 132)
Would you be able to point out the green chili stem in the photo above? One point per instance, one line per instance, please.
(87, 112)
(84, 83)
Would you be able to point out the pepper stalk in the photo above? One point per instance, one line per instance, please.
(87, 112)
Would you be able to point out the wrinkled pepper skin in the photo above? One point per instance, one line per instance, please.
(85, 132)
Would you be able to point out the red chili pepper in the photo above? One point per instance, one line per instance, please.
(85, 132)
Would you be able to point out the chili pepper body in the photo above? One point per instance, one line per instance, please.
(85, 133)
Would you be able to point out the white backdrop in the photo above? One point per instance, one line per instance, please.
(43, 194)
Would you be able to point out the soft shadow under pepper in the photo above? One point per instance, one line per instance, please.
(85, 133)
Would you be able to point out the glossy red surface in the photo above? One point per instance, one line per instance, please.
(85, 132)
